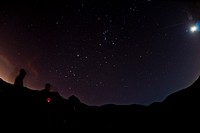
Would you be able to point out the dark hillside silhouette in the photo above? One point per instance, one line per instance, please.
(48, 110)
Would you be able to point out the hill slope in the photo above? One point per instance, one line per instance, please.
(23, 107)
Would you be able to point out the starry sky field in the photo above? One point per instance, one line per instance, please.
(102, 51)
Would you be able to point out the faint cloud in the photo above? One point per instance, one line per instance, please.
(5, 61)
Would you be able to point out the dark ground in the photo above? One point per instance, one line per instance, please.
(24, 109)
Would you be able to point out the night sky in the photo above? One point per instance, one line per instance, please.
(102, 51)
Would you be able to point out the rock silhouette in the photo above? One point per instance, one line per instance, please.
(19, 79)
(30, 108)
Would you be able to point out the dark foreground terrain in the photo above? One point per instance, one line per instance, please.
(28, 110)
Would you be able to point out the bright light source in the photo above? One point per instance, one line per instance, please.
(48, 99)
(193, 28)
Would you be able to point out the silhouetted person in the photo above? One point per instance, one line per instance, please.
(47, 99)
(19, 79)
(47, 87)
(46, 92)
